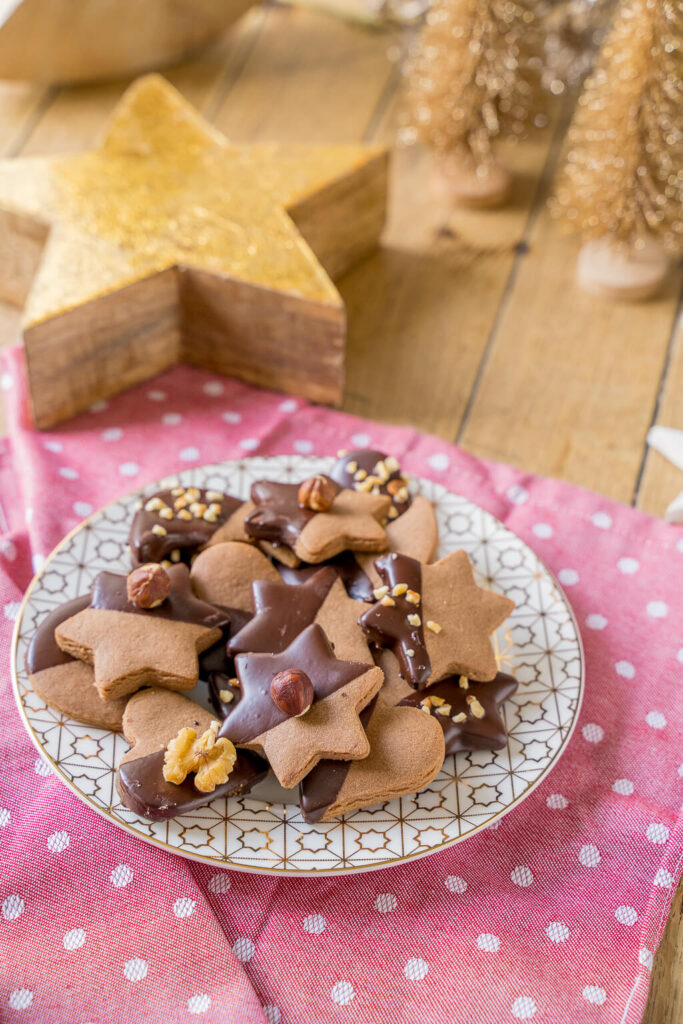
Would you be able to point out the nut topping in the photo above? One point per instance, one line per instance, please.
(292, 691)
(317, 493)
(148, 586)
(210, 757)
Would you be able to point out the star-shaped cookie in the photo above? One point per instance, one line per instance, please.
(331, 727)
(352, 523)
(129, 647)
(435, 618)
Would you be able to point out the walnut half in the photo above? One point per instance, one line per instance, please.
(210, 757)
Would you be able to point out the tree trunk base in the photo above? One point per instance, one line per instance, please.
(614, 270)
(461, 182)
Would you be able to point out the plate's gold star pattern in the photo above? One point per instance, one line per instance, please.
(194, 225)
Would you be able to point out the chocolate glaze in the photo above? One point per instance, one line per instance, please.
(217, 667)
(367, 459)
(487, 733)
(282, 612)
(322, 785)
(187, 536)
(278, 517)
(144, 789)
(109, 592)
(388, 626)
(311, 653)
(43, 651)
(358, 585)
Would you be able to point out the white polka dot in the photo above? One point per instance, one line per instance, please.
(385, 902)
(20, 998)
(171, 419)
(28, 513)
(68, 473)
(664, 879)
(543, 530)
(657, 609)
(657, 833)
(289, 405)
(99, 406)
(42, 768)
(12, 907)
(679, 545)
(121, 875)
(626, 915)
(129, 469)
(74, 939)
(568, 577)
(201, 1002)
(596, 621)
(488, 943)
(6, 382)
(58, 842)
(5, 817)
(213, 388)
(189, 454)
(272, 1014)
(523, 1008)
(219, 884)
(439, 461)
(679, 653)
(628, 566)
(454, 883)
(314, 924)
(557, 802)
(37, 561)
(53, 446)
(82, 508)
(589, 856)
(231, 417)
(593, 733)
(623, 786)
(10, 552)
(184, 907)
(522, 876)
(303, 446)
(602, 520)
(625, 669)
(416, 969)
(680, 770)
(342, 993)
(244, 949)
(135, 969)
(11, 610)
(655, 719)
(594, 994)
(249, 444)
(517, 494)
(112, 434)
(361, 440)
(645, 958)
(156, 396)
(557, 931)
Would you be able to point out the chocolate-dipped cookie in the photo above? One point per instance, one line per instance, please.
(223, 574)
(143, 629)
(371, 471)
(64, 683)
(435, 618)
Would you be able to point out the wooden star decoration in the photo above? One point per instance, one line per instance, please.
(170, 244)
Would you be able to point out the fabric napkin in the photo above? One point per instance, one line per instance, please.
(552, 916)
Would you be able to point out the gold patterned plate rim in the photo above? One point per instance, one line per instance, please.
(540, 718)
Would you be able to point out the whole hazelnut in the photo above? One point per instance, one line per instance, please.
(317, 493)
(292, 691)
(148, 586)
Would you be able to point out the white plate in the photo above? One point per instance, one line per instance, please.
(540, 643)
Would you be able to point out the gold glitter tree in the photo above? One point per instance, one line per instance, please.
(470, 80)
(622, 180)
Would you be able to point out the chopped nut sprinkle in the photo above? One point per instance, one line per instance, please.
(184, 515)
(211, 758)
(154, 504)
(235, 682)
(165, 564)
(460, 717)
(426, 702)
(437, 701)
(382, 472)
(445, 709)
(175, 555)
(475, 707)
(342, 452)
(414, 620)
(399, 589)
(434, 626)
(387, 601)
(193, 493)
(227, 696)
(159, 531)
(364, 486)
(166, 513)
(380, 592)
(392, 464)
(402, 494)
(360, 474)
(464, 683)
(177, 490)
(425, 707)
(180, 502)
(413, 597)
(393, 512)
(351, 467)
(214, 496)
(210, 517)
(139, 505)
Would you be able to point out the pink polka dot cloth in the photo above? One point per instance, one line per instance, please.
(553, 916)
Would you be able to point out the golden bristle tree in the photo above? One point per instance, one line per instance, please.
(622, 181)
(471, 80)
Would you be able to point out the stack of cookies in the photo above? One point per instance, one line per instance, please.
(336, 653)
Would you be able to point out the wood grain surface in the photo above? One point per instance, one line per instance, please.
(465, 324)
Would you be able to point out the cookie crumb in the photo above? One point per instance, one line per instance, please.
(434, 626)
(227, 696)
(464, 683)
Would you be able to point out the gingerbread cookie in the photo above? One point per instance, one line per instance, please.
(415, 533)
(435, 618)
(143, 629)
(64, 683)
(301, 705)
(153, 719)
(171, 525)
(223, 574)
(406, 753)
(370, 471)
(317, 519)
(467, 711)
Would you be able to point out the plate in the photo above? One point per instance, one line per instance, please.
(263, 832)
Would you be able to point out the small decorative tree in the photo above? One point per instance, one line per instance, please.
(621, 185)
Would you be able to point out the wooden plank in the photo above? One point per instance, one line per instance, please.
(665, 1002)
(661, 482)
(20, 104)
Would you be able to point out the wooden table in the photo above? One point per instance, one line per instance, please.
(468, 325)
